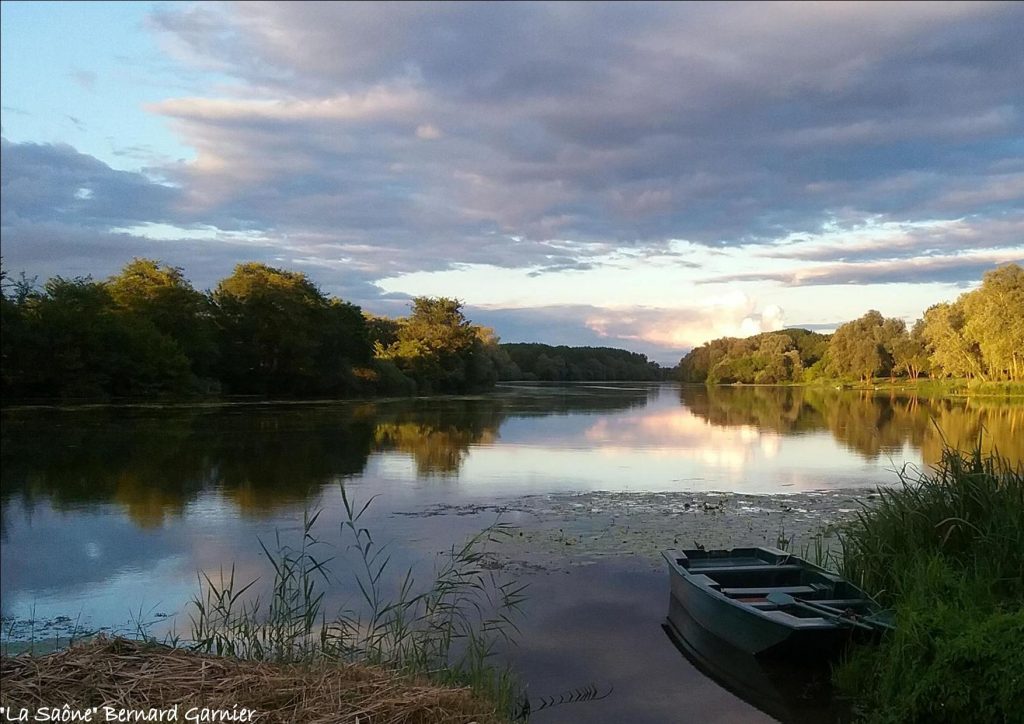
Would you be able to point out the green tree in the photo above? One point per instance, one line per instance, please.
(280, 335)
(436, 345)
(863, 348)
(910, 353)
(490, 362)
(81, 344)
(769, 358)
(382, 331)
(994, 320)
(344, 344)
(162, 295)
(16, 341)
(533, 361)
(952, 352)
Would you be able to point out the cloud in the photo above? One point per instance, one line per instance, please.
(681, 328)
(376, 104)
(664, 334)
(599, 123)
(56, 183)
(951, 269)
(893, 240)
(85, 78)
(428, 132)
(800, 144)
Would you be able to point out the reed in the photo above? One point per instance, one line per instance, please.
(448, 630)
(944, 549)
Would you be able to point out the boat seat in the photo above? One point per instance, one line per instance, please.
(763, 591)
(842, 602)
(711, 570)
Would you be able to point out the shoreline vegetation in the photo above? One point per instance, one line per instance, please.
(147, 333)
(266, 333)
(925, 387)
(975, 342)
(944, 550)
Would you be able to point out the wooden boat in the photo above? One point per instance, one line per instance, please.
(768, 603)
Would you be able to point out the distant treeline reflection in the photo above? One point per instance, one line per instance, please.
(870, 423)
(155, 461)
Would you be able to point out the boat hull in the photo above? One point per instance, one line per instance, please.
(759, 631)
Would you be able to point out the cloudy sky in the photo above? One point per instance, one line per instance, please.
(640, 175)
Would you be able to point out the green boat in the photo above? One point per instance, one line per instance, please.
(769, 603)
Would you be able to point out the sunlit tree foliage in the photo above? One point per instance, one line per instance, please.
(978, 336)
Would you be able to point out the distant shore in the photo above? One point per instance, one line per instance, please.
(930, 387)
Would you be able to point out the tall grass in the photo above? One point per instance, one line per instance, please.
(968, 510)
(448, 630)
(944, 549)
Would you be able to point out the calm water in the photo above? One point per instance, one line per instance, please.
(106, 515)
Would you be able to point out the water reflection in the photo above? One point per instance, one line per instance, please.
(152, 462)
(438, 437)
(155, 461)
(104, 510)
(870, 423)
(609, 617)
(792, 691)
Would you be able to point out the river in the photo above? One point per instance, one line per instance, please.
(108, 513)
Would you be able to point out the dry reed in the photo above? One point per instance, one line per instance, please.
(135, 676)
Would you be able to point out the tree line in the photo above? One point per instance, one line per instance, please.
(261, 331)
(534, 361)
(978, 336)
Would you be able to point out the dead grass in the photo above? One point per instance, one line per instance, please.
(133, 675)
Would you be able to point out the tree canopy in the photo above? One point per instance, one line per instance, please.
(768, 358)
(280, 335)
(261, 331)
(533, 361)
(440, 349)
(979, 335)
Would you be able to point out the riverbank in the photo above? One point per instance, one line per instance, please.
(933, 388)
(123, 678)
(944, 550)
(924, 387)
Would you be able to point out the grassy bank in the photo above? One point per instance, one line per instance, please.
(923, 386)
(945, 550)
(936, 387)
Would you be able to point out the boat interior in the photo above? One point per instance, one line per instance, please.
(749, 576)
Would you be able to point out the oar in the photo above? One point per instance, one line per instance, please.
(784, 599)
(871, 621)
(874, 620)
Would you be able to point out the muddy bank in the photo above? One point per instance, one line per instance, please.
(553, 532)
